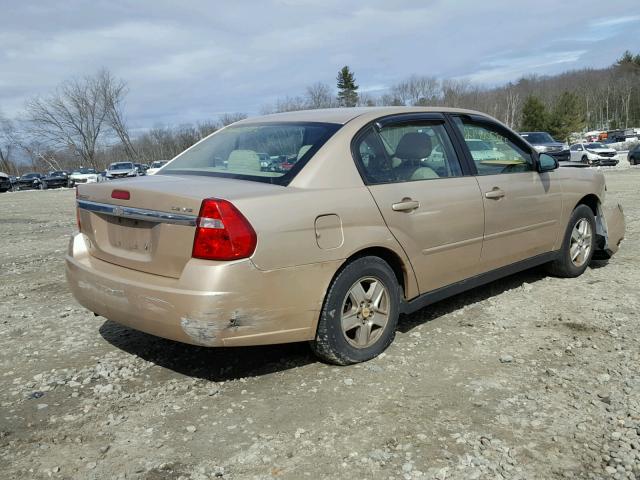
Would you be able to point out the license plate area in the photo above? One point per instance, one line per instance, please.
(129, 234)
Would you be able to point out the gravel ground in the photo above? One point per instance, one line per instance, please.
(528, 377)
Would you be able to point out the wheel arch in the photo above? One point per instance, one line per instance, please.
(401, 270)
(592, 201)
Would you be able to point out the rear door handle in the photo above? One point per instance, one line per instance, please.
(495, 194)
(406, 205)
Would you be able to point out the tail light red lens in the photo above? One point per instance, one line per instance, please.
(222, 232)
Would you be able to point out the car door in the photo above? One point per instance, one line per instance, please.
(576, 152)
(431, 207)
(522, 207)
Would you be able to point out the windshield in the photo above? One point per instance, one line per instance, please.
(538, 137)
(83, 171)
(157, 164)
(30, 175)
(58, 174)
(121, 166)
(264, 152)
(595, 145)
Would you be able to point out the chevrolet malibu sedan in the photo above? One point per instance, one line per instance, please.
(384, 211)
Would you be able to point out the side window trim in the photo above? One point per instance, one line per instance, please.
(460, 146)
(355, 154)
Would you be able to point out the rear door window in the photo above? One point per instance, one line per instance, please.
(405, 152)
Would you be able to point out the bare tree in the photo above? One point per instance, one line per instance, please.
(417, 90)
(72, 117)
(319, 95)
(229, 118)
(113, 92)
(8, 145)
(79, 114)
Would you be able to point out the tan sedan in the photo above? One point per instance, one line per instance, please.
(326, 225)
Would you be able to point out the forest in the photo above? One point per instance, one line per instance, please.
(83, 122)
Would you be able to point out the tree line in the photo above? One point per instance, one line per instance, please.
(83, 121)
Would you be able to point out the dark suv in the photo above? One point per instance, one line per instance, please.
(545, 143)
(5, 182)
(634, 155)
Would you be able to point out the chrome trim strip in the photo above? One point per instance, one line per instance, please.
(137, 213)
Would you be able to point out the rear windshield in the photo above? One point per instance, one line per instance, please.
(538, 137)
(264, 152)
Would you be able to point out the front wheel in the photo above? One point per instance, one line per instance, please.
(578, 245)
(360, 313)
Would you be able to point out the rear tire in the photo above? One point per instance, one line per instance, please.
(360, 313)
(578, 245)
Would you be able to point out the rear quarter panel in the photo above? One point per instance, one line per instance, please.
(287, 235)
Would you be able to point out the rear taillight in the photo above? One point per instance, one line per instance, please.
(222, 232)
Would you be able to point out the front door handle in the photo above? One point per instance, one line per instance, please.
(495, 194)
(406, 205)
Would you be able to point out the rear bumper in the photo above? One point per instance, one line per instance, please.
(211, 304)
(606, 161)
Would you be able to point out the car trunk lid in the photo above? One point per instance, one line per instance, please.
(153, 230)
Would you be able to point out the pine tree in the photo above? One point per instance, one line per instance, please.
(567, 116)
(534, 115)
(347, 88)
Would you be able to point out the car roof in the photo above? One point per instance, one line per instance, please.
(344, 115)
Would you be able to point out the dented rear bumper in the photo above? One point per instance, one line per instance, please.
(211, 304)
(611, 227)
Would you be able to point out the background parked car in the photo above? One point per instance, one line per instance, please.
(543, 142)
(121, 170)
(56, 179)
(634, 155)
(142, 168)
(155, 166)
(5, 182)
(83, 175)
(30, 181)
(593, 154)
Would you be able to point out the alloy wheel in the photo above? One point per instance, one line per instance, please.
(580, 247)
(365, 312)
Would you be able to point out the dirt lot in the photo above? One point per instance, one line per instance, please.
(529, 377)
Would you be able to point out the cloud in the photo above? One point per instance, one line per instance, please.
(186, 62)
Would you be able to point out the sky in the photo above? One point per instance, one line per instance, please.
(190, 61)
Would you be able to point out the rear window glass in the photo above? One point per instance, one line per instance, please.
(121, 166)
(265, 152)
(538, 137)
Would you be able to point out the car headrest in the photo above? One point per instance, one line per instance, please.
(243, 160)
(413, 146)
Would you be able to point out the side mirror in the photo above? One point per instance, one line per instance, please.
(546, 163)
